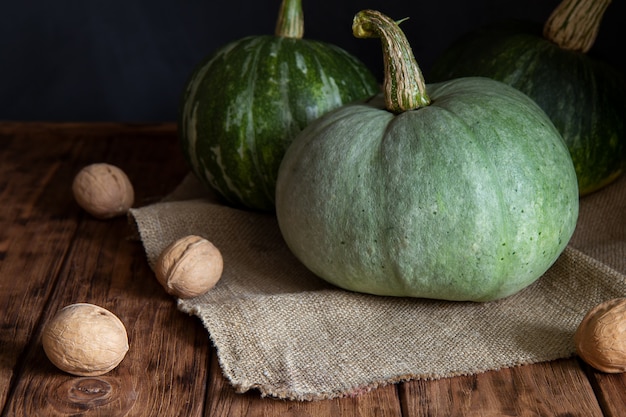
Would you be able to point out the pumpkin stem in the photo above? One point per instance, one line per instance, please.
(404, 85)
(290, 22)
(574, 24)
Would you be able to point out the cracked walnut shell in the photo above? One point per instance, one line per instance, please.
(601, 336)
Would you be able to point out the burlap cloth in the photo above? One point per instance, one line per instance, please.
(279, 329)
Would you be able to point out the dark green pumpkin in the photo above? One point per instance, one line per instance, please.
(461, 190)
(244, 104)
(583, 97)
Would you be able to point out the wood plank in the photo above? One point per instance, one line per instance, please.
(558, 388)
(31, 254)
(610, 389)
(45, 130)
(223, 400)
(165, 370)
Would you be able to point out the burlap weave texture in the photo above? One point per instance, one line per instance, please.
(285, 332)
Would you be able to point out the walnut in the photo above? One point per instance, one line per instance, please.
(85, 340)
(189, 267)
(103, 190)
(601, 336)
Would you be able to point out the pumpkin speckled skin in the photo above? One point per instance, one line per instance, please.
(470, 198)
(583, 97)
(245, 103)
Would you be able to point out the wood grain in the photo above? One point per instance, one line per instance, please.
(32, 246)
(52, 254)
(609, 389)
(545, 389)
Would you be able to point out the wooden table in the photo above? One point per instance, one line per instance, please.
(53, 254)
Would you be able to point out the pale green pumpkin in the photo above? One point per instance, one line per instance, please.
(462, 190)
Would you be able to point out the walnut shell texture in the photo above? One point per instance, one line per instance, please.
(189, 267)
(601, 336)
(103, 190)
(85, 340)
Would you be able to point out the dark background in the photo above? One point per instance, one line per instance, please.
(128, 60)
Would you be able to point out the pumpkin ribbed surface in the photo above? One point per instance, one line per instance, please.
(470, 198)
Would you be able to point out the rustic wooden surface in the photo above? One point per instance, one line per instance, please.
(53, 254)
